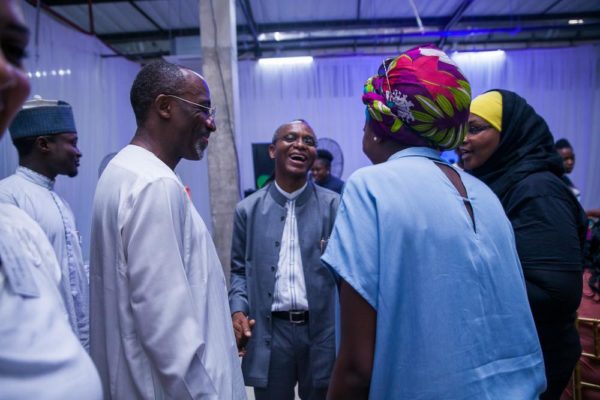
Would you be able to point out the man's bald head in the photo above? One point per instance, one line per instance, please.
(159, 77)
(283, 126)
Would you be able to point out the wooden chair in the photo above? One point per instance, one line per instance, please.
(578, 384)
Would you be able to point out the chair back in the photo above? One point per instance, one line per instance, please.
(578, 384)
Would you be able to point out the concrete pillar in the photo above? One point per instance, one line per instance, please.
(219, 67)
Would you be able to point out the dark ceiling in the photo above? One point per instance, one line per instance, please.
(146, 29)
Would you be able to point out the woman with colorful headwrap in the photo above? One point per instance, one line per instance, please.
(511, 149)
(433, 302)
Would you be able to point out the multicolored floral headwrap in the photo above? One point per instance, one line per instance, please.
(419, 98)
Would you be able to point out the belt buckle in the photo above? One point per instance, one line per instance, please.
(300, 313)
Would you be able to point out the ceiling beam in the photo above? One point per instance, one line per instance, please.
(427, 35)
(370, 47)
(352, 24)
(141, 36)
(145, 15)
(138, 57)
(250, 23)
(458, 13)
(410, 22)
(57, 3)
(551, 6)
(67, 21)
(49, 10)
(91, 17)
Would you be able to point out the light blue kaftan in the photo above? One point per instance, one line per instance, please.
(453, 321)
(40, 356)
(34, 194)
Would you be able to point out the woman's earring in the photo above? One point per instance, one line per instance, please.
(375, 139)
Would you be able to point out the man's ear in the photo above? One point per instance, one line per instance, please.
(42, 144)
(163, 106)
(272, 151)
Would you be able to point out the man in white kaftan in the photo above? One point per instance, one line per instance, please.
(45, 136)
(40, 356)
(160, 319)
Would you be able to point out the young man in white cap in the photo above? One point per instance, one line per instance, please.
(45, 136)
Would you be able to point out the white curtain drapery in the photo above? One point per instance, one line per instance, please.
(561, 84)
(74, 67)
(82, 71)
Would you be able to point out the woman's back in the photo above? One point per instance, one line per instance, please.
(453, 318)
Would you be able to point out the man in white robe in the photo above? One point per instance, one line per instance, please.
(160, 325)
(45, 136)
(40, 357)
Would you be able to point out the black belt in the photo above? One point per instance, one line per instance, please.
(294, 316)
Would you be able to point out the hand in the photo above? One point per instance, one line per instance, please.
(242, 328)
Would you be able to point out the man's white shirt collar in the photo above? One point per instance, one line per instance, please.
(291, 196)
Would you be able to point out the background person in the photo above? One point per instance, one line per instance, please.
(511, 149)
(45, 136)
(433, 303)
(564, 149)
(321, 172)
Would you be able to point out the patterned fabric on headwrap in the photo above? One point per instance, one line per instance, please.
(419, 98)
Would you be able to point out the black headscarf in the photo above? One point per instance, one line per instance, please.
(526, 146)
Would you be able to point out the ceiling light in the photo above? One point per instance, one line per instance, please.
(575, 21)
(285, 60)
(493, 56)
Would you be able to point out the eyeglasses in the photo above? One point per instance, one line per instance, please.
(212, 111)
(474, 129)
(293, 137)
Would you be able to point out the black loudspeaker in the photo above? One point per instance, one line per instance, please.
(264, 167)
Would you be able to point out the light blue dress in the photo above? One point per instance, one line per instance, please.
(453, 321)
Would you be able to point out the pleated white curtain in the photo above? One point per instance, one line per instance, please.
(561, 84)
(82, 71)
(73, 67)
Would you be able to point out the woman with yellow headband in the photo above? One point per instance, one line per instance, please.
(510, 147)
(433, 302)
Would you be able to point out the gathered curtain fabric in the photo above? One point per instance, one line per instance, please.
(561, 84)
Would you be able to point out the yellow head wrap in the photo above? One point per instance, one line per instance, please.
(489, 107)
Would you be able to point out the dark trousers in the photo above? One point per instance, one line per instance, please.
(290, 364)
